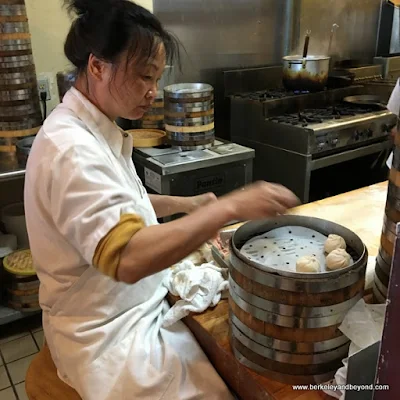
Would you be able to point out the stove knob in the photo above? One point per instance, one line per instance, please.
(356, 135)
(321, 145)
(387, 128)
(370, 133)
(335, 141)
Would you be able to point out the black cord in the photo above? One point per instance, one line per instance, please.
(43, 97)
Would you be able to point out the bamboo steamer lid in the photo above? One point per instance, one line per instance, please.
(147, 137)
(19, 263)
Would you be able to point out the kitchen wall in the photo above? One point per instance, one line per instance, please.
(224, 34)
(357, 33)
(230, 34)
(49, 24)
(242, 33)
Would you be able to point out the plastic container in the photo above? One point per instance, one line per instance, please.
(13, 218)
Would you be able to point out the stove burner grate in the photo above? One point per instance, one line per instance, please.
(319, 115)
(270, 94)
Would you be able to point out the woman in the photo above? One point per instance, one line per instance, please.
(100, 255)
(394, 107)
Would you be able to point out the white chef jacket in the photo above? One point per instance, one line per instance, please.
(105, 337)
(394, 107)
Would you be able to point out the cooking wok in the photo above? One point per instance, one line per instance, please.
(366, 100)
(340, 78)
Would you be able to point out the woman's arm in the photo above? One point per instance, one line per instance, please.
(157, 247)
(165, 206)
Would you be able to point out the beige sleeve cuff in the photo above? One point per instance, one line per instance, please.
(108, 252)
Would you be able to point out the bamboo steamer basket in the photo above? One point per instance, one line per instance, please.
(147, 137)
(189, 115)
(284, 324)
(21, 282)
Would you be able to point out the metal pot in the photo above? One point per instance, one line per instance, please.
(305, 74)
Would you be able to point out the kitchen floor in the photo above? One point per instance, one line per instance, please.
(19, 343)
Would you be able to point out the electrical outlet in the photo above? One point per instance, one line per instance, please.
(44, 86)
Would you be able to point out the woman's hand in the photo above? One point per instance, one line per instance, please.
(195, 202)
(177, 239)
(259, 200)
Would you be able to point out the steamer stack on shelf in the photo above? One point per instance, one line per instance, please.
(21, 282)
(20, 113)
(391, 218)
(154, 118)
(189, 115)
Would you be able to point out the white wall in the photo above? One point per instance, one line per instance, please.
(49, 24)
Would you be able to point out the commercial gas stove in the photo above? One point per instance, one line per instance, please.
(331, 130)
(312, 143)
(221, 169)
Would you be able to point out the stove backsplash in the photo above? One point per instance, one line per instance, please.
(356, 36)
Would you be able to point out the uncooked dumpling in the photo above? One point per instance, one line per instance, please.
(308, 264)
(334, 242)
(337, 259)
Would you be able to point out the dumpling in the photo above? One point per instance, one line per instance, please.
(334, 242)
(308, 264)
(337, 259)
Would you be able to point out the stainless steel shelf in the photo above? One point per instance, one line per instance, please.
(8, 315)
(7, 175)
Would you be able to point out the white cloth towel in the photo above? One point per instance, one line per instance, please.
(394, 106)
(198, 287)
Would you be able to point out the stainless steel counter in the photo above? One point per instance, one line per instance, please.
(6, 175)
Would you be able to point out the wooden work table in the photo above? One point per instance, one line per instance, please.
(361, 211)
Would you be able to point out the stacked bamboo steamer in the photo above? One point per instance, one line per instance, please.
(21, 282)
(388, 236)
(154, 118)
(285, 324)
(20, 113)
(189, 115)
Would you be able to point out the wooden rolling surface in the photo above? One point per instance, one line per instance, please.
(361, 211)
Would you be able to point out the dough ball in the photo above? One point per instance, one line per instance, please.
(334, 242)
(309, 264)
(338, 259)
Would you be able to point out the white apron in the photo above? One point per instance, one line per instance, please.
(120, 351)
(106, 337)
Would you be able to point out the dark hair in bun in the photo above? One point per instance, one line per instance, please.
(106, 28)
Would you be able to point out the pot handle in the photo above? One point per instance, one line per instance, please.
(303, 62)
